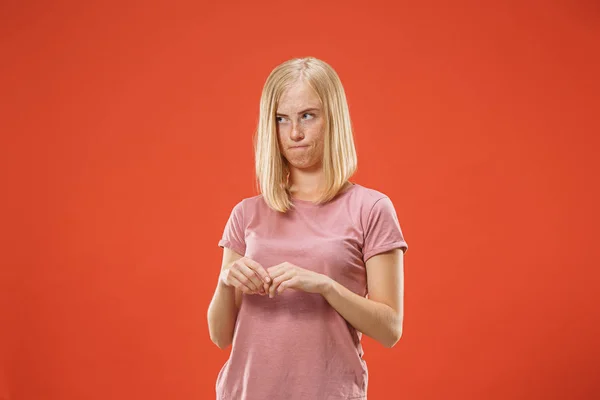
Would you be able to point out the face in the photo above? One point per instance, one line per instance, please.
(301, 127)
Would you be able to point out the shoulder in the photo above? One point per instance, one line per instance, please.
(252, 201)
(369, 197)
(249, 205)
(380, 224)
(368, 192)
(373, 205)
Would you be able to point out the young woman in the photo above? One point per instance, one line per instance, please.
(313, 261)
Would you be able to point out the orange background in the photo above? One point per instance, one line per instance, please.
(126, 140)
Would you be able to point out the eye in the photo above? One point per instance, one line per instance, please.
(278, 119)
(310, 115)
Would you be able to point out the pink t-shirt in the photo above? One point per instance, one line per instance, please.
(295, 346)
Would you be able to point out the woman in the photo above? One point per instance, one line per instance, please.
(298, 258)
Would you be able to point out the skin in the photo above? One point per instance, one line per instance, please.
(301, 137)
(300, 130)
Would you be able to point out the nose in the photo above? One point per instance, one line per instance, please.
(296, 134)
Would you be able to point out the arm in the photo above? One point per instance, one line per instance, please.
(224, 306)
(380, 316)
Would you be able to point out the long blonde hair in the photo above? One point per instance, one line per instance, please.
(339, 156)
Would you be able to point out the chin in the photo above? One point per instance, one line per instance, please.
(303, 165)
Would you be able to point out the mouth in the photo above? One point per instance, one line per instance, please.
(298, 147)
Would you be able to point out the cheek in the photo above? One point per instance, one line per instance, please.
(317, 131)
(281, 137)
(320, 135)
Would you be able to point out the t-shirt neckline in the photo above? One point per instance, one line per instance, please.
(313, 204)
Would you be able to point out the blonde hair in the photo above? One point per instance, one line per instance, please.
(339, 156)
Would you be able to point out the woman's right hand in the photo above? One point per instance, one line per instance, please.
(246, 275)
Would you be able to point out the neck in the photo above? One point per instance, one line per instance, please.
(306, 184)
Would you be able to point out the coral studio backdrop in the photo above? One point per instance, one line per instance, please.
(126, 140)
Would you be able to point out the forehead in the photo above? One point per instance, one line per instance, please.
(297, 97)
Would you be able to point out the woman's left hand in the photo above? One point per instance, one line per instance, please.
(289, 276)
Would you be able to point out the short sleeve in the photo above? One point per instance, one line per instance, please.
(234, 233)
(382, 231)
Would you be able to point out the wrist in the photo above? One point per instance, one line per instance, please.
(223, 285)
(327, 286)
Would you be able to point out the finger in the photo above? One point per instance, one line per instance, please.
(243, 280)
(252, 276)
(259, 269)
(278, 280)
(244, 267)
(274, 273)
(291, 283)
(278, 270)
(239, 285)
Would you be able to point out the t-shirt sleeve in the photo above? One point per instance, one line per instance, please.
(382, 230)
(234, 233)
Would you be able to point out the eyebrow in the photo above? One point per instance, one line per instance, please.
(301, 112)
